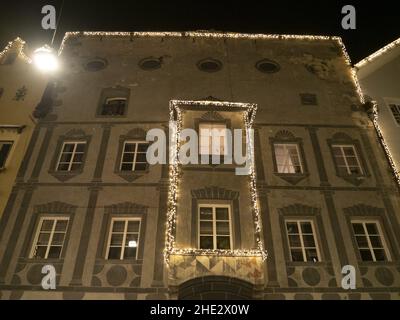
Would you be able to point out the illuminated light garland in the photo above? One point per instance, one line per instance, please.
(378, 53)
(10, 46)
(176, 114)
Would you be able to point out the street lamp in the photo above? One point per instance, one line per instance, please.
(45, 59)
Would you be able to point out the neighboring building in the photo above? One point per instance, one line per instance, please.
(21, 89)
(379, 76)
(90, 205)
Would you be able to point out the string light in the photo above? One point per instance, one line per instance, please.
(176, 117)
(20, 46)
(378, 53)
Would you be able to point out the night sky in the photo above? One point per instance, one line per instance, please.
(377, 22)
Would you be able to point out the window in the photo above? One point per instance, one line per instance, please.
(346, 160)
(134, 156)
(288, 158)
(123, 240)
(50, 237)
(5, 148)
(302, 242)
(214, 227)
(71, 157)
(396, 112)
(308, 99)
(213, 139)
(114, 107)
(370, 242)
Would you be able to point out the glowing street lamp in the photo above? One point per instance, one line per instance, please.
(45, 59)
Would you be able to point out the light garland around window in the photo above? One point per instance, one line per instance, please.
(11, 46)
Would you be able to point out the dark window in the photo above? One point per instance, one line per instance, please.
(96, 65)
(150, 63)
(347, 160)
(114, 107)
(209, 65)
(396, 112)
(134, 156)
(308, 99)
(5, 148)
(71, 156)
(267, 66)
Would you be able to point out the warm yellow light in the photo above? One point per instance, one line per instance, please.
(45, 59)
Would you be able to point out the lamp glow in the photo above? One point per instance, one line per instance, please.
(132, 244)
(45, 59)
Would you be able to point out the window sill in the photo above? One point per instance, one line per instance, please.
(130, 176)
(292, 178)
(65, 175)
(354, 179)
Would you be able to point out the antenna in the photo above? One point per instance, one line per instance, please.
(58, 23)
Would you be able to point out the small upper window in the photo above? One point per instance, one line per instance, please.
(347, 160)
(267, 66)
(395, 108)
(370, 241)
(71, 156)
(50, 237)
(5, 148)
(114, 107)
(96, 65)
(308, 99)
(288, 158)
(213, 139)
(209, 65)
(150, 63)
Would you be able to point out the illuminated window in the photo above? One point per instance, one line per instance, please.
(123, 241)
(347, 160)
(71, 156)
(370, 242)
(5, 148)
(49, 238)
(213, 139)
(134, 156)
(288, 158)
(302, 243)
(214, 227)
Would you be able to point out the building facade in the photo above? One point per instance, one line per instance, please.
(21, 89)
(320, 195)
(379, 79)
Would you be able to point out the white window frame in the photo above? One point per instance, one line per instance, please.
(136, 142)
(38, 229)
(211, 138)
(367, 235)
(9, 142)
(108, 100)
(71, 162)
(286, 165)
(342, 146)
(214, 223)
(396, 117)
(125, 232)
(303, 247)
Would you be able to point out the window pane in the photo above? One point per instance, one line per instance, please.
(206, 243)
(362, 241)
(80, 147)
(311, 255)
(63, 167)
(222, 213)
(133, 226)
(54, 252)
(292, 227)
(306, 227)
(141, 157)
(140, 167)
(40, 252)
(114, 253)
(65, 157)
(69, 147)
(128, 157)
(337, 151)
(43, 239)
(130, 252)
(297, 255)
(126, 167)
(348, 151)
(294, 241)
(206, 228)
(376, 241)
(206, 213)
(309, 241)
(380, 255)
(61, 225)
(78, 157)
(130, 147)
(223, 243)
(131, 237)
(76, 166)
(372, 228)
(58, 239)
(358, 228)
(47, 225)
(116, 239)
(366, 255)
(142, 147)
(118, 226)
(355, 170)
(223, 228)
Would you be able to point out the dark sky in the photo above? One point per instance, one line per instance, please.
(377, 22)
